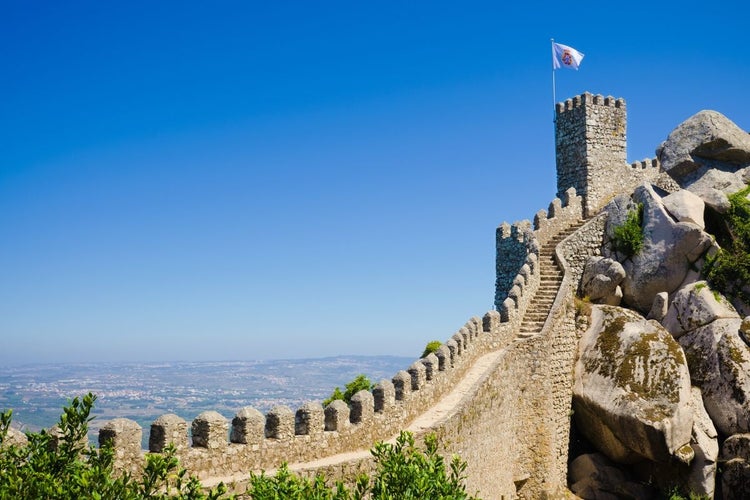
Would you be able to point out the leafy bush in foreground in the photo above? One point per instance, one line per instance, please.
(66, 467)
(404, 472)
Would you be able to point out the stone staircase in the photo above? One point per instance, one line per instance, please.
(551, 279)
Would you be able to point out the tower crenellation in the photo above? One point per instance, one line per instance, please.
(591, 150)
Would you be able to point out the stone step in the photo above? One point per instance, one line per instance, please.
(551, 277)
(534, 321)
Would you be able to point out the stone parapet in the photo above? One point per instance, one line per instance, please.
(262, 442)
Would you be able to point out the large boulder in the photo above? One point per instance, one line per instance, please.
(735, 455)
(699, 476)
(670, 249)
(705, 136)
(631, 389)
(719, 363)
(685, 206)
(601, 279)
(696, 305)
(707, 154)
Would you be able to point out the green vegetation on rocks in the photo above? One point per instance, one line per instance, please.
(431, 347)
(359, 383)
(729, 270)
(628, 237)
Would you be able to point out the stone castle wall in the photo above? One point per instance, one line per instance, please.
(500, 400)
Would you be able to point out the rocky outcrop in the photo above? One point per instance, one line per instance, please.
(735, 455)
(696, 305)
(632, 378)
(670, 249)
(631, 389)
(719, 363)
(601, 279)
(708, 155)
(704, 137)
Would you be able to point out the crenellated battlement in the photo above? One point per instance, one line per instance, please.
(517, 249)
(587, 99)
(254, 441)
(653, 163)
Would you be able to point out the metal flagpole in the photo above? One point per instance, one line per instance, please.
(554, 97)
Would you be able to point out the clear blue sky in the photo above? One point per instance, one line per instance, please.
(252, 180)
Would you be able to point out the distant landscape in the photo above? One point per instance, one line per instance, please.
(144, 391)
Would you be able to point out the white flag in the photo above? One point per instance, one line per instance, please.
(565, 57)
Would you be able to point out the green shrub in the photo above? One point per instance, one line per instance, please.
(359, 383)
(628, 237)
(431, 347)
(729, 270)
(288, 486)
(73, 469)
(403, 472)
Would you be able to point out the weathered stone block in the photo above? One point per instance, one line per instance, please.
(491, 321)
(309, 419)
(337, 416)
(248, 426)
(402, 384)
(210, 430)
(280, 423)
(430, 363)
(384, 395)
(418, 374)
(362, 407)
(165, 430)
(443, 355)
(124, 435)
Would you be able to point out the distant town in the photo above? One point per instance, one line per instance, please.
(144, 391)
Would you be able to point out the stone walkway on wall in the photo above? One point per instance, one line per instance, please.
(441, 411)
(551, 279)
